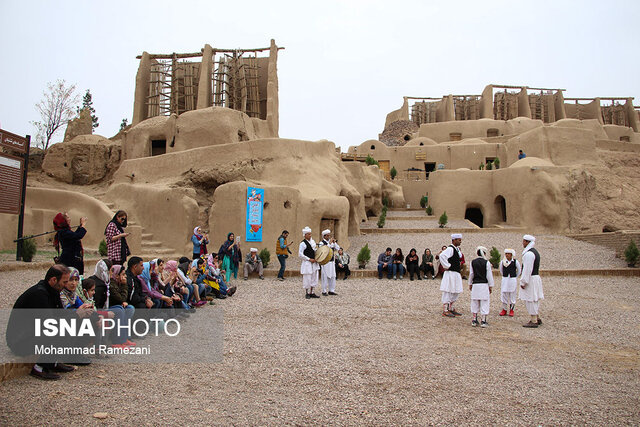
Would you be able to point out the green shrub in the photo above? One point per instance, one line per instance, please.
(489, 165)
(384, 210)
(382, 219)
(371, 161)
(429, 210)
(29, 250)
(494, 257)
(265, 256)
(481, 167)
(496, 162)
(385, 201)
(393, 172)
(364, 256)
(102, 248)
(631, 253)
(424, 201)
(443, 219)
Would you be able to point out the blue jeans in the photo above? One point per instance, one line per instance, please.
(398, 269)
(283, 260)
(122, 314)
(381, 268)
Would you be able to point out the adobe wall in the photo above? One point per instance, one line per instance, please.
(400, 114)
(440, 132)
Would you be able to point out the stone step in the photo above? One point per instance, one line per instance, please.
(152, 244)
(146, 236)
(439, 230)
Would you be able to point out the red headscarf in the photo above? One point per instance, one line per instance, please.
(59, 223)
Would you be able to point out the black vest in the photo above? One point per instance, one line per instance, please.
(454, 260)
(479, 266)
(536, 262)
(511, 270)
(308, 251)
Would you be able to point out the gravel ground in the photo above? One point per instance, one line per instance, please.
(557, 252)
(378, 353)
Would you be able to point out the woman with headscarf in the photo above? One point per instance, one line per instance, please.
(123, 312)
(175, 286)
(71, 241)
(101, 278)
(151, 286)
(413, 264)
(200, 242)
(116, 238)
(69, 293)
(427, 264)
(231, 255)
(397, 264)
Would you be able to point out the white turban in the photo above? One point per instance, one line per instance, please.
(510, 251)
(529, 238)
(306, 230)
(254, 250)
(482, 251)
(325, 232)
(456, 236)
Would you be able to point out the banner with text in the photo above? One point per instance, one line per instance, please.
(255, 203)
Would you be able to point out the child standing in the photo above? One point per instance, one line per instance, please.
(510, 269)
(480, 285)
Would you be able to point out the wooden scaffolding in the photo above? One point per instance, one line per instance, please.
(423, 111)
(173, 85)
(466, 107)
(236, 84)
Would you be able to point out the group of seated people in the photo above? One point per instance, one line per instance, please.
(397, 265)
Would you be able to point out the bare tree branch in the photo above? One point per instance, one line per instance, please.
(55, 109)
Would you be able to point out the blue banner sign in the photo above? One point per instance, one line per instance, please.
(255, 203)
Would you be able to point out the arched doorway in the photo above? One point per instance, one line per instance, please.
(474, 214)
(501, 208)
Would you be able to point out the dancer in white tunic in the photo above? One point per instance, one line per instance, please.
(451, 285)
(510, 269)
(309, 267)
(480, 285)
(328, 270)
(530, 283)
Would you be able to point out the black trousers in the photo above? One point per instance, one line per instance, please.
(425, 268)
(413, 268)
(344, 269)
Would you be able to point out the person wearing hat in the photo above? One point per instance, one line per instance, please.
(480, 285)
(451, 285)
(309, 267)
(530, 283)
(253, 263)
(329, 269)
(510, 269)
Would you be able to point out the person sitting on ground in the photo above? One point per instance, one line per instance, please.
(152, 286)
(68, 294)
(213, 270)
(86, 294)
(118, 305)
(398, 266)
(384, 263)
(413, 264)
(101, 278)
(176, 288)
(136, 296)
(253, 263)
(116, 238)
(342, 263)
(45, 295)
(441, 269)
(427, 264)
(71, 241)
(198, 276)
(200, 241)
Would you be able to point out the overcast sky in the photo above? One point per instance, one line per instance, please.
(346, 63)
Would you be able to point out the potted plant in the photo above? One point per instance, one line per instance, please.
(265, 256)
(429, 210)
(443, 219)
(393, 172)
(481, 167)
(29, 250)
(496, 163)
(364, 256)
(494, 257)
(489, 165)
(631, 254)
(382, 219)
(424, 201)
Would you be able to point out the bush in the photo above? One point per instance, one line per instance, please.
(443, 219)
(385, 201)
(393, 172)
(631, 254)
(382, 219)
(496, 162)
(371, 161)
(364, 256)
(494, 257)
(424, 202)
(429, 210)
(384, 210)
(481, 167)
(265, 256)
(489, 165)
(102, 248)
(29, 250)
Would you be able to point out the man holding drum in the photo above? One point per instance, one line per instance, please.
(309, 267)
(329, 269)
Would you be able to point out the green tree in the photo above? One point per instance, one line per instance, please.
(124, 124)
(631, 254)
(371, 161)
(364, 256)
(442, 221)
(87, 104)
(393, 172)
(494, 257)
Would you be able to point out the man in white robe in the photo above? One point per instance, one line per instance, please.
(451, 285)
(510, 269)
(480, 285)
(309, 267)
(530, 283)
(328, 271)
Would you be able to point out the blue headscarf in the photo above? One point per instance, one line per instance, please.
(146, 274)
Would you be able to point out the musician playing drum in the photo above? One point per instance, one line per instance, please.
(329, 269)
(309, 267)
